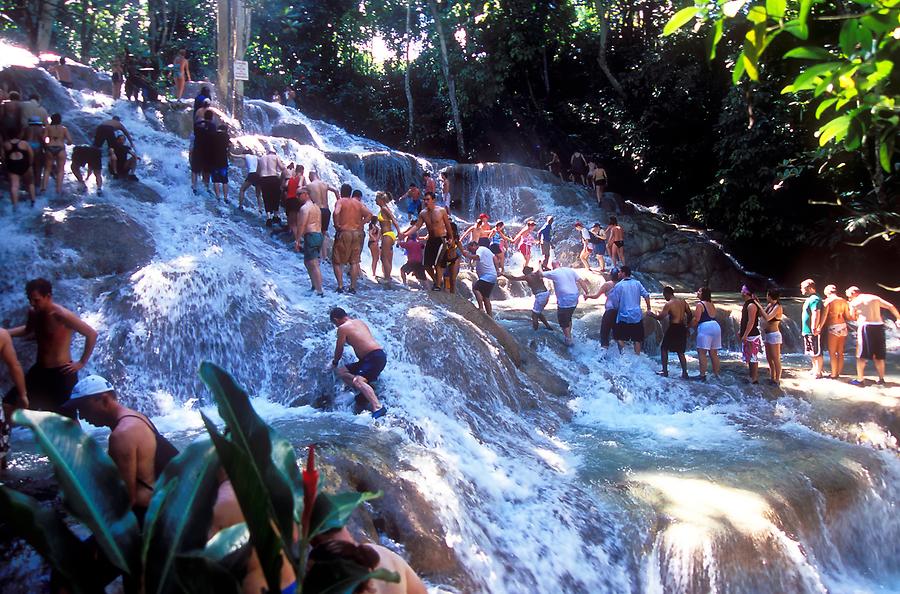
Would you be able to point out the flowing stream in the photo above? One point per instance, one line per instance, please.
(619, 481)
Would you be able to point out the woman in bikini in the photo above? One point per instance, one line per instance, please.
(116, 77)
(452, 259)
(181, 72)
(34, 136)
(497, 245)
(374, 235)
(18, 157)
(57, 139)
(834, 327)
(388, 223)
(772, 314)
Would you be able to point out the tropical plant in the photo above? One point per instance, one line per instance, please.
(173, 554)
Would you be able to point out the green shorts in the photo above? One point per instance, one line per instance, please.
(312, 244)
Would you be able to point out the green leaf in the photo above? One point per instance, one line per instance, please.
(808, 78)
(883, 69)
(257, 440)
(715, 38)
(836, 129)
(680, 19)
(256, 504)
(334, 510)
(809, 53)
(341, 576)
(91, 484)
(198, 574)
(227, 541)
(798, 29)
(738, 71)
(775, 8)
(757, 15)
(824, 105)
(879, 24)
(180, 513)
(43, 529)
(885, 155)
(805, 6)
(750, 66)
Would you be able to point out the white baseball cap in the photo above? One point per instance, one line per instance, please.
(90, 386)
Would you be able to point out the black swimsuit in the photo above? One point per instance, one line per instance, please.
(17, 165)
(165, 451)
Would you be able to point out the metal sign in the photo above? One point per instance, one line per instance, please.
(241, 70)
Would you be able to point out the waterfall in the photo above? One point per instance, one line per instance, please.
(510, 463)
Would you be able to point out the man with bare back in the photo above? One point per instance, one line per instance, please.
(615, 238)
(871, 342)
(350, 216)
(309, 238)
(675, 338)
(9, 358)
(318, 193)
(50, 380)
(372, 357)
(437, 221)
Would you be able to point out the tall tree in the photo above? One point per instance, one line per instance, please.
(602, 8)
(406, 85)
(448, 78)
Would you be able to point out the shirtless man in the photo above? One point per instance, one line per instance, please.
(535, 281)
(50, 380)
(414, 206)
(338, 544)
(615, 238)
(445, 190)
(309, 238)
(63, 73)
(372, 357)
(138, 450)
(675, 338)
(270, 170)
(429, 183)
(437, 221)
(318, 193)
(8, 355)
(350, 216)
(480, 232)
(106, 133)
(870, 341)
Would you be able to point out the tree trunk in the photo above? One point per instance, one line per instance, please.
(87, 31)
(603, 15)
(45, 18)
(406, 85)
(224, 52)
(242, 16)
(448, 77)
(546, 71)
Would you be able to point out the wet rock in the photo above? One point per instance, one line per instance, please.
(391, 171)
(294, 131)
(54, 98)
(106, 239)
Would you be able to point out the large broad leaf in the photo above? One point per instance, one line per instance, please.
(342, 576)
(44, 530)
(809, 53)
(219, 567)
(334, 510)
(680, 19)
(256, 504)
(775, 8)
(91, 484)
(835, 129)
(273, 459)
(180, 513)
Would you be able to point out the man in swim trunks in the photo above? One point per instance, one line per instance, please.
(9, 358)
(675, 338)
(751, 340)
(535, 281)
(544, 234)
(318, 193)
(251, 161)
(372, 357)
(611, 307)
(51, 379)
(810, 326)
(615, 242)
(92, 157)
(309, 238)
(437, 221)
(568, 287)
(32, 109)
(63, 73)
(270, 170)
(350, 218)
(122, 158)
(487, 275)
(629, 320)
(870, 342)
(414, 206)
(136, 447)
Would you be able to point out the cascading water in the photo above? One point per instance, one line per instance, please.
(564, 470)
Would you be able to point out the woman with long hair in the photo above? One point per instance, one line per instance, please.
(834, 327)
(772, 314)
(525, 239)
(57, 138)
(387, 223)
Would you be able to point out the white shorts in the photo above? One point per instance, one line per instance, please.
(773, 337)
(540, 302)
(709, 336)
(838, 329)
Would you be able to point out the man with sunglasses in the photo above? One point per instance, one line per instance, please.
(437, 221)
